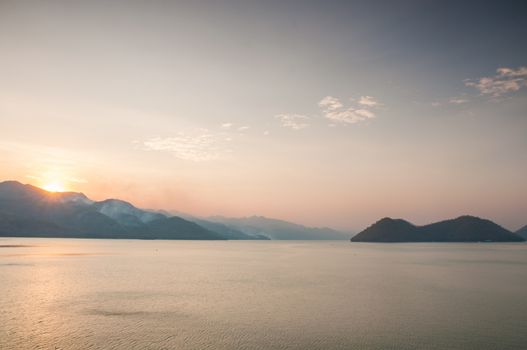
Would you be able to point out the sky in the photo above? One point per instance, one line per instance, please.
(325, 113)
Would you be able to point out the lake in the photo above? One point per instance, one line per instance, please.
(128, 294)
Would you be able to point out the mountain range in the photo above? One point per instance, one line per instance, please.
(29, 211)
(522, 232)
(277, 229)
(462, 229)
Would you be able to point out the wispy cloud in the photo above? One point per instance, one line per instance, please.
(198, 146)
(368, 101)
(243, 128)
(457, 101)
(510, 72)
(507, 80)
(226, 125)
(349, 116)
(334, 110)
(330, 103)
(293, 121)
(365, 113)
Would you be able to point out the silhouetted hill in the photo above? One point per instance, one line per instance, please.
(31, 211)
(178, 228)
(388, 230)
(278, 229)
(71, 211)
(14, 226)
(522, 232)
(468, 229)
(27, 210)
(461, 229)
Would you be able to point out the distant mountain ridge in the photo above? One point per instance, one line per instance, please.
(229, 231)
(125, 213)
(522, 232)
(26, 210)
(278, 229)
(462, 229)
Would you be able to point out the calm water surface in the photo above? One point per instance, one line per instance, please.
(120, 294)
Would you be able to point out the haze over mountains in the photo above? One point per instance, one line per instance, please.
(26, 210)
(462, 229)
(276, 229)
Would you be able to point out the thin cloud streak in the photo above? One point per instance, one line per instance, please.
(368, 101)
(197, 147)
(457, 101)
(293, 121)
(333, 110)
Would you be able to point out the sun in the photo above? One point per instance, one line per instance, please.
(54, 187)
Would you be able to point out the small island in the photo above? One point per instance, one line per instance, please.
(462, 229)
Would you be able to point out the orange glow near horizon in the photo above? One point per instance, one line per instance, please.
(54, 186)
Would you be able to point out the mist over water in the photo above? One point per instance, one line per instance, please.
(126, 294)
